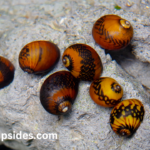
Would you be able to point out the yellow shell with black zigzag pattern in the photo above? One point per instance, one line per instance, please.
(106, 92)
(127, 116)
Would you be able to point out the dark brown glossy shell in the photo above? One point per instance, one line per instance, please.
(6, 72)
(83, 62)
(39, 57)
(112, 32)
(58, 92)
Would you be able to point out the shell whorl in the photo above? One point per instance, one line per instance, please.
(125, 24)
(67, 61)
(116, 87)
(65, 107)
(125, 132)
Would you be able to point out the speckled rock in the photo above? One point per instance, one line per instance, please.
(64, 23)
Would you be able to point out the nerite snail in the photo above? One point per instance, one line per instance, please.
(6, 72)
(58, 92)
(106, 92)
(82, 61)
(38, 57)
(112, 32)
(127, 116)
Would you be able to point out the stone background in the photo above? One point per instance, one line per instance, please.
(66, 22)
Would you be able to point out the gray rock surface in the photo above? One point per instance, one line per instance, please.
(64, 23)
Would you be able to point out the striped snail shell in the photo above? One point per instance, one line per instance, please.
(38, 57)
(112, 32)
(58, 92)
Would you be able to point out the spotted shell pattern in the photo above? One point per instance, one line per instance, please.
(127, 116)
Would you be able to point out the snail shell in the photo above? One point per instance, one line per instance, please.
(82, 61)
(126, 117)
(38, 57)
(6, 72)
(112, 32)
(106, 92)
(58, 92)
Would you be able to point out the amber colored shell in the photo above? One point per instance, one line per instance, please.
(38, 57)
(6, 72)
(58, 92)
(126, 117)
(82, 61)
(112, 32)
(106, 92)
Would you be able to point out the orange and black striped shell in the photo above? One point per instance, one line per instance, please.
(126, 117)
(6, 72)
(58, 92)
(106, 92)
(82, 61)
(38, 57)
(112, 32)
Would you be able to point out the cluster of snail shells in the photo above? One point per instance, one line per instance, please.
(113, 33)
(126, 115)
(59, 90)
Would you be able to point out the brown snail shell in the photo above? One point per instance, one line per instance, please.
(112, 32)
(39, 57)
(6, 72)
(58, 92)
